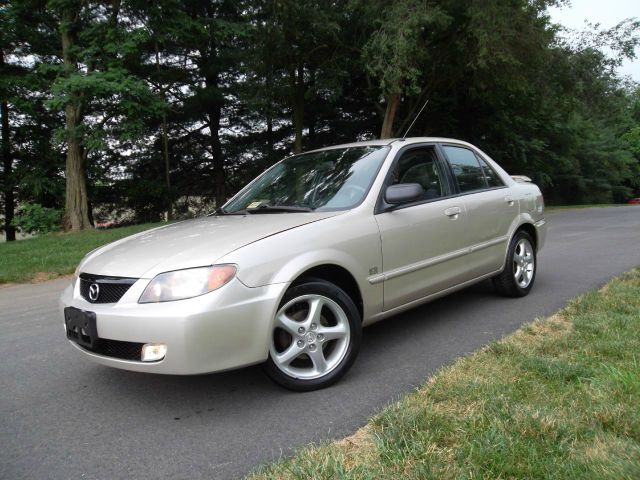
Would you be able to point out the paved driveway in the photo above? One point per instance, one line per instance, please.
(63, 417)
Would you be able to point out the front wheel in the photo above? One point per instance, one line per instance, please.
(315, 337)
(516, 280)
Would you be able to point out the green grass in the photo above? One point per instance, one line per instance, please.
(558, 399)
(49, 256)
(594, 205)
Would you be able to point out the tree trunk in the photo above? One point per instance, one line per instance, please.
(269, 137)
(7, 163)
(296, 84)
(312, 141)
(214, 114)
(216, 150)
(214, 111)
(311, 116)
(269, 112)
(167, 171)
(389, 116)
(76, 216)
(165, 145)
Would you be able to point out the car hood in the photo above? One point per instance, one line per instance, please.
(192, 243)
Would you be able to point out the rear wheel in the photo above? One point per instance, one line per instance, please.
(516, 280)
(315, 338)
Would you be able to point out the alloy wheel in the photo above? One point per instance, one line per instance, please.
(523, 263)
(310, 337)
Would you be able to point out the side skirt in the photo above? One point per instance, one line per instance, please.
(415, 303)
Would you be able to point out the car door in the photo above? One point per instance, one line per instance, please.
(489, 207)
(423, 243)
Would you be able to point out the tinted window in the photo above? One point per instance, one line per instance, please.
(465, 168)
(420, 166)
(493, 180)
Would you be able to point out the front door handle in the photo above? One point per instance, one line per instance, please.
(452, 212)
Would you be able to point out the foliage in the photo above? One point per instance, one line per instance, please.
(398, 48)
(186, 101)
(558, 399)
(34, 218)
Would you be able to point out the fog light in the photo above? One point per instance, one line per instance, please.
(152, 352)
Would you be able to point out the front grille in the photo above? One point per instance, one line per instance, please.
(117, 349)
(101, 289)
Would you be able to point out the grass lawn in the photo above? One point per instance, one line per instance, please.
(559, 399)
(594, 205)
(49, 256)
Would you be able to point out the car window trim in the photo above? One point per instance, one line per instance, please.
(483, 159)
(362, 200)
(453, 183)
(478, 157)
(368, 189)
(382, 206)
(474, 192)
(486, 183)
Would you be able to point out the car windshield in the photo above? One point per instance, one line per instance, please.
(336, 179)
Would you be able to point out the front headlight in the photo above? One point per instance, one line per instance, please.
(76, 274)
(192, 282)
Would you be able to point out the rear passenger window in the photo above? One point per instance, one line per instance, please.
(466, 168)
(493, 180)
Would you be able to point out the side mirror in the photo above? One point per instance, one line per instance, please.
(403, 193)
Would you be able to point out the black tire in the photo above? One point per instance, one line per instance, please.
(505, 283)
(349, 348)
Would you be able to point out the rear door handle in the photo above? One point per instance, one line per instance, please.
(452, 212)
(509, 200)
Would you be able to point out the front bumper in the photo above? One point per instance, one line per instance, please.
(227, 328)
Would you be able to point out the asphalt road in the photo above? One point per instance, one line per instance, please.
(64, 417)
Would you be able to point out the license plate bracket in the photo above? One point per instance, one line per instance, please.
(81, 327)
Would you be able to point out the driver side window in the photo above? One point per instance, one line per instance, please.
(421, 166)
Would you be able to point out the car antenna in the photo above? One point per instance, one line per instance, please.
(414, 120)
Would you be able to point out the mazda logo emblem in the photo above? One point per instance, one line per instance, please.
(94, 291)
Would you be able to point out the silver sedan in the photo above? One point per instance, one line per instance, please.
(291, 268)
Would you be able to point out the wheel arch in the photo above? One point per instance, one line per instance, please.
(504, 281)
(337, 275)
(531, 230)
(524, 226)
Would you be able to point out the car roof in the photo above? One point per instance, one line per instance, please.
(389, 141)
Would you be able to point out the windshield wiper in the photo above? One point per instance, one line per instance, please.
(278, 209)
(218, 212)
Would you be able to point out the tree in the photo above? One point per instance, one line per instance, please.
(398, 48)
(101, 99)
(26, 126)
(5, 145)
(140, 108)
(299, 40)
(7, 162)
(77, 203)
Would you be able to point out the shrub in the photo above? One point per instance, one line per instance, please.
(34, 218)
